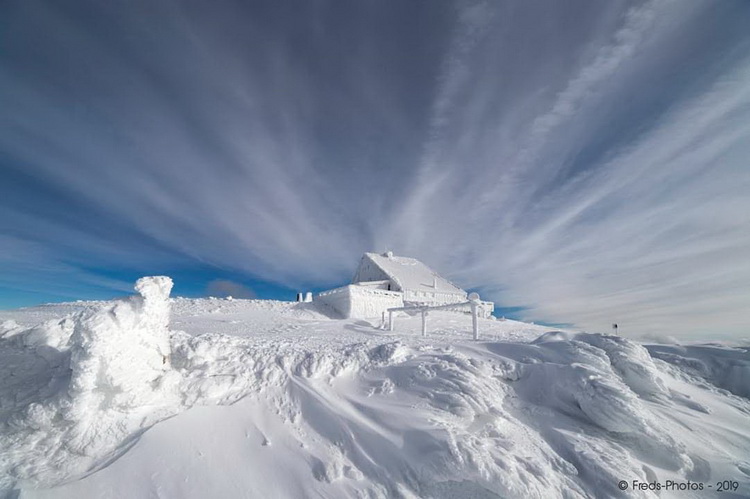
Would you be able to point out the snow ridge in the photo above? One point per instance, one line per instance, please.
(299, 405)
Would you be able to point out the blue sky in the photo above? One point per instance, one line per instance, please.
(576, 162)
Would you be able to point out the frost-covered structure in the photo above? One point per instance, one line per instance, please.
(384, 281)
(86, 383)
(361, 300)
(119, 353)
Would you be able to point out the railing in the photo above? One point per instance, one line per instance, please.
(474, 303)
(414, 295)
(365, 289)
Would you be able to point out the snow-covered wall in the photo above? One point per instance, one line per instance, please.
(338, 300)
(368, 302)
(360, 301)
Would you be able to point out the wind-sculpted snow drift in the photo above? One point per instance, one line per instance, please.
(276, 400)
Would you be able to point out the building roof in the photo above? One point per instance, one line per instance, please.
(410, 273)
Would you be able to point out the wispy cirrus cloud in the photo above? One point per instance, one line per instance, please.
(588, 207)
(585, 162)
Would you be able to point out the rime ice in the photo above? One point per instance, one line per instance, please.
(119, 352)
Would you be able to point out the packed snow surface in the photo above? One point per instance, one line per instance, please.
(152, 396)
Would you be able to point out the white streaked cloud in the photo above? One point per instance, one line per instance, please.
(654, 235)
(584, 161)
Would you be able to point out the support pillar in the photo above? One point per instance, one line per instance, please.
(474, 303)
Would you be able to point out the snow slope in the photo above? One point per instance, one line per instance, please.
(254, 398)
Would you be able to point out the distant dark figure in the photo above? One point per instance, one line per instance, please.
(614, 326)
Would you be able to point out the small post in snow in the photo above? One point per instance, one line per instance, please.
(474, 303)
(424, 322)
(390, 320)
(614, 326)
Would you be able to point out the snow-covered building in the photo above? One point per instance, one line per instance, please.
(384, 281)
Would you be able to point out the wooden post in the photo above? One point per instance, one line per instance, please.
(390, 320)
(474, 303)
(424, 322)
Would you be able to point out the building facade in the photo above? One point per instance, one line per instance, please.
(384, 281)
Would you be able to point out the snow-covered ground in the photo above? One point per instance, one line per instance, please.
(256, 398)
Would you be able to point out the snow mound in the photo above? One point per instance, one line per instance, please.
(553, 336)
(711, 366)
(631, 361)
(9, 328)
(584, 383)
(274, 399)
